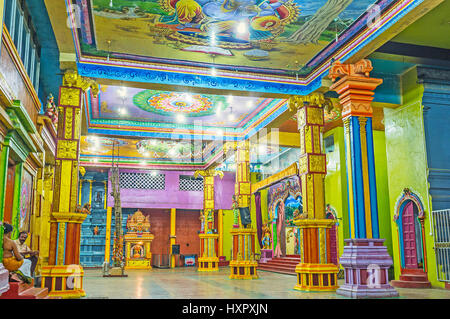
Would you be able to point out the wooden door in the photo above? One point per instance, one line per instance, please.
(409, 236)
(9, 197)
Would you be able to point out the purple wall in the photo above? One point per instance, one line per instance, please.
(172, 197)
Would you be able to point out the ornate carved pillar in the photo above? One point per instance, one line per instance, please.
(208, 260)
(4, 154)
(63, 276)
(243, 264)
(365, 259)
(315, 272)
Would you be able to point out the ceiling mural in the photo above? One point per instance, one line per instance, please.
(152, 113)
(280, 35)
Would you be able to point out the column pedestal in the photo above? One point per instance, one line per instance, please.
(315, 272)
(4, 279)
(208, 260)
(266, 255)
(243, 264)
(366, 263)
(66, 278)
(65, 281)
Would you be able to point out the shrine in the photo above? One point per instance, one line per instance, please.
(138, 240)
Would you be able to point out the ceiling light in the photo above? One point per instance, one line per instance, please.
(188, 98)
(213, 71)
(143, 162)
(229, 98)
(172, 152)
(213, 39)
(249, 104)
(95, 160)
(146, 154)
(231, 117)
(242, 27)
(154, 173)
(180, 118)
(122, 111)
(219, 132)
(123, 92)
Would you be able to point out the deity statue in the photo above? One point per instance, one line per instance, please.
(202, 222)
(86, 209)
(209, 221)
(235, 208)
(138, 223)
(51, 110)
(267, 237)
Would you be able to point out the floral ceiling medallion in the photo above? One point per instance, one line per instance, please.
(171, 103)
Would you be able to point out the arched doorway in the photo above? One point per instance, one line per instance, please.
(409, 219)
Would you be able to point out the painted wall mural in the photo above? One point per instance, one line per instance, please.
(261, 34)
(26, 195)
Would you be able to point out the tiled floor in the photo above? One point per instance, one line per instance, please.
(187, 283)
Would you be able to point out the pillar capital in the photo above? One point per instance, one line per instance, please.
(297, 102)
(72, 79)
(355, 87)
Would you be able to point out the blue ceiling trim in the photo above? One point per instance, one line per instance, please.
(162, 77)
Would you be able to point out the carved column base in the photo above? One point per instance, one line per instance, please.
(4, 279)
(243, 269)
(208, 260)
(366, 263)
(316, 277)
(65, 281)
(243, 264)
(266, 255)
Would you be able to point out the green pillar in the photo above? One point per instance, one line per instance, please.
(15, 218)
(4, 154)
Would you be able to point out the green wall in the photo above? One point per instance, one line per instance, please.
(407, 165)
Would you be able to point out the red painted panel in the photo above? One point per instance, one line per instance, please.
(186, 230)
(409, 236)
(160, 228)
(9, 194)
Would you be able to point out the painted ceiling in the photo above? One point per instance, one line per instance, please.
(281, 46)
(149, 113)
(164, 154)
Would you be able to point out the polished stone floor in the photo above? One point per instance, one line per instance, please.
(187, 283)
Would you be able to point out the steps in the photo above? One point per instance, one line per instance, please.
(283, 265)
(412, 278)
(24, 291)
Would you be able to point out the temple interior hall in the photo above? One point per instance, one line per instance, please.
(200, 149)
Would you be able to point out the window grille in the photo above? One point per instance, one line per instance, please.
(142, 181)
(190, 183)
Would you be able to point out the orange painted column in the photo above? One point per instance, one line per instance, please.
(365, 259)
(53, 242)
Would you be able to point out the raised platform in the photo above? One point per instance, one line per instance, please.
(412, 278)
(25, 291)
(283, 265)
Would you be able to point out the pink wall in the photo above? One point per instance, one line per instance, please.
(172, 197)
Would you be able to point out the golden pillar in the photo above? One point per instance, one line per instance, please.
(64, 276)
(315, 272)
(108, 234)
(173, 217)
(208, 260)
(220, 229)
(243, 264)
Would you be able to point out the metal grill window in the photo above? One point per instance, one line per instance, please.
(190, 183)
(143, 181)
(441, 221)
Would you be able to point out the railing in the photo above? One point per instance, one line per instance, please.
(441, 229)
